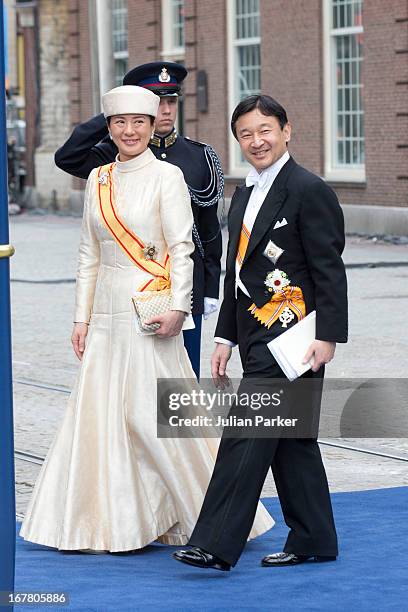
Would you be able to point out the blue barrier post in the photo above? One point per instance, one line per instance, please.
(7, 494)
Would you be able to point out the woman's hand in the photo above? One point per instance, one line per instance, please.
(170, 323)
(79, 334)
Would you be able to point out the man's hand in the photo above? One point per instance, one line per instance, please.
(170, 323)
(79, 334)
(219, 360)
(320, 352)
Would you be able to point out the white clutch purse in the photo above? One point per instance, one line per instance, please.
(149, 304)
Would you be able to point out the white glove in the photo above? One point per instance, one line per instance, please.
(210, 306)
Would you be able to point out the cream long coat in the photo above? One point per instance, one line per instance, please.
(108, 482)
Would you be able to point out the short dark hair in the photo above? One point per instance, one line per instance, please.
(267, 106)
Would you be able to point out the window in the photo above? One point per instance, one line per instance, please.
(344, 114)
(244, 63)
(173, 43)
(120, 39)
(177, 23)
(173, 29)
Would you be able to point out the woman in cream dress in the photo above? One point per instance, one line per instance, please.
(108, 483)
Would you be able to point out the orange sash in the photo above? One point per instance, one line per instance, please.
(243, 244)
(130, 244)
(288, 297)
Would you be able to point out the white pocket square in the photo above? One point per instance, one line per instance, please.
(280, 223)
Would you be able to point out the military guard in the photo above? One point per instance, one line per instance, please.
(89, 146)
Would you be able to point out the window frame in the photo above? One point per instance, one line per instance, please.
(172, 54)
(355, 173)
(236, 168)
(124, 54)
(170, 51)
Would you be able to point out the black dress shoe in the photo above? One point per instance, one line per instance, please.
(200, 558)
(282, 558)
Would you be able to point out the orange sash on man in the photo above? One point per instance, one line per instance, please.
(287, 297)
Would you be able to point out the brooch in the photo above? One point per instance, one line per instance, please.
(150, 251)
(276, 280)
(103, 179)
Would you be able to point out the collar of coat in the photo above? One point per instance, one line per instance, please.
(165, 141)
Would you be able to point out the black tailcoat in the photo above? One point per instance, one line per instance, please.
(312, 239)
(311, 233)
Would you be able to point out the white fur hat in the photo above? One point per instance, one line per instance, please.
(130, 99)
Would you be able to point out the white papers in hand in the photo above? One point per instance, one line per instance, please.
(290, 347)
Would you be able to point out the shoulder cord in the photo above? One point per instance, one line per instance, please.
(217, 178)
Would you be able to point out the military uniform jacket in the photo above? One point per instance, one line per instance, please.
(89, 147)
(311, 233)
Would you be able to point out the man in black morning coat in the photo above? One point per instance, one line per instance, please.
(296, 238)
(89, 146)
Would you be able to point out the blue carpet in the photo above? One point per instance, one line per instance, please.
(370, 574)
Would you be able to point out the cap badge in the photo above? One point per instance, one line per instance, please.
(164, 76)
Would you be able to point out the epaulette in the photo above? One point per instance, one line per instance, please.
(197, 142)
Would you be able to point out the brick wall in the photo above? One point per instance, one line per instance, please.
(144, 31)
(385, 77)
(292, 71)
(211, 54)
(80, 79)
(204, 50)
(291, 48)
(52, 184)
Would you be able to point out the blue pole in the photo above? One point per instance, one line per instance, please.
(7, 494)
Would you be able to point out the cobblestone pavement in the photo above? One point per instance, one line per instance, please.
(46, 249)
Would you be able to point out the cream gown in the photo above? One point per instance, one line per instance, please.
(108, 482)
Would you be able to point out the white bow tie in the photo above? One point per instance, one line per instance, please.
(257, 180)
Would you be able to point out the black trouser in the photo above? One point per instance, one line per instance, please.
(242, 465)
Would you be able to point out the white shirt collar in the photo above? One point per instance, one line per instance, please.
(264, 179)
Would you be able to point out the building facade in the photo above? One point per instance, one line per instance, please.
(340, 68)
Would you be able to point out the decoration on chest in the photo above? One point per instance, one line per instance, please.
(103, 179)
(272, 252)
(276, 280)
(286, 302)
(149, 251)
(286, 316)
